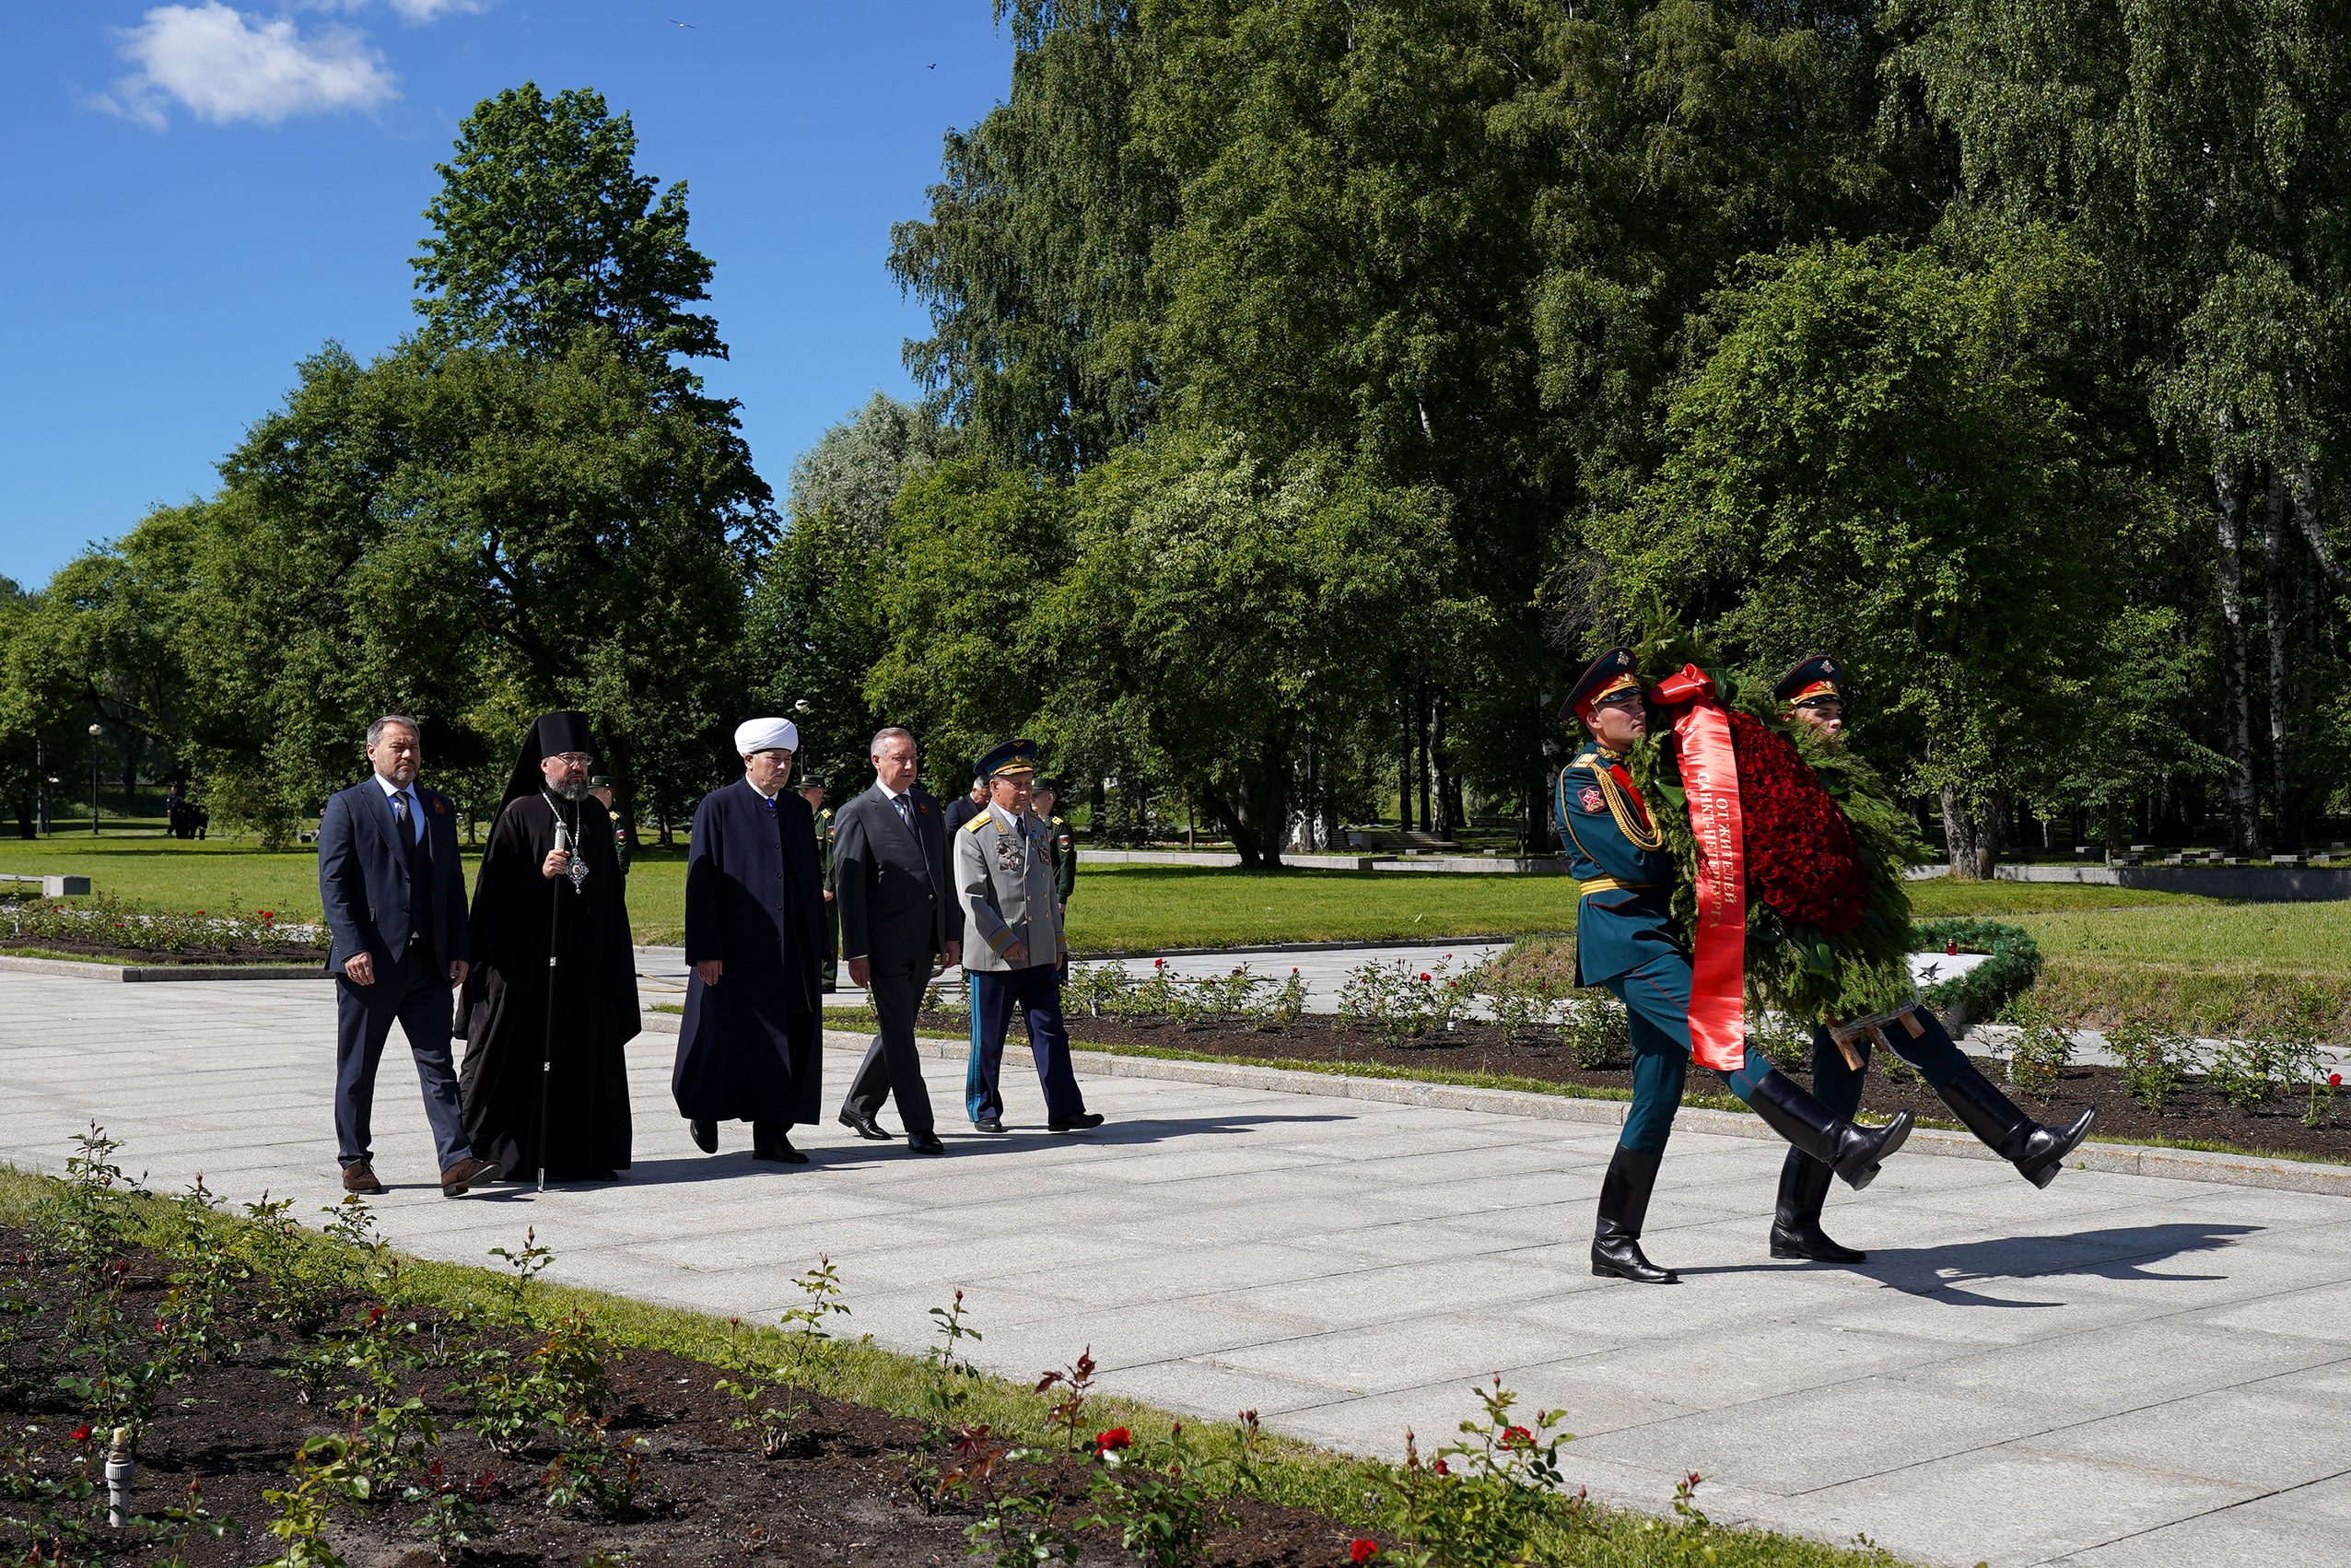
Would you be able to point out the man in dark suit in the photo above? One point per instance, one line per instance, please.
(394, 895)
(900, 925)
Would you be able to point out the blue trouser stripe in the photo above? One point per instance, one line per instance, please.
(1036, 991)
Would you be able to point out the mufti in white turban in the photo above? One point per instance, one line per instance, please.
(766, 735)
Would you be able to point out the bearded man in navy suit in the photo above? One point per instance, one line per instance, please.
(394, 895)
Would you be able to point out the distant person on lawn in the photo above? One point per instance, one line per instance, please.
(1012, 946)
(752, 1048)
(552, 1004)
(397, 937)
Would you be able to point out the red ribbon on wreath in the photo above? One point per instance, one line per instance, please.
(1718, 962)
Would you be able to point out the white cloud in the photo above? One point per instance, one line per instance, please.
(410, 10)
(433, 10)
(223, 65)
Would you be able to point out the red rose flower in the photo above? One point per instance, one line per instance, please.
(1424, 974)
(1517, 1437)
(2334, 1081)
(1802, 862)
(1363, 1550)
(1442, 1468)
(79, 1433)
(1112, 1441)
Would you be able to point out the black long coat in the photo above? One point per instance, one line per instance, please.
(751, 1047)
(520, 917)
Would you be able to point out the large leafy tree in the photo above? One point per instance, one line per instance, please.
(1872, 461)
(2193, 146)
(471, 534)
(543, 230)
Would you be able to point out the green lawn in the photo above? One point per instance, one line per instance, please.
(1138, 908)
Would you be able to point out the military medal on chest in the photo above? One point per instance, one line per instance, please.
(1008, 846)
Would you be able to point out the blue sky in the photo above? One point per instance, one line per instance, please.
(204, 192)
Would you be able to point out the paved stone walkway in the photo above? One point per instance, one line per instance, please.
(2122, 1370)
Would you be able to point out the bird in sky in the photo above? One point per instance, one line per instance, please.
(675, 23)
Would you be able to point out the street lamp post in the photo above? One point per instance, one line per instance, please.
(93, 779)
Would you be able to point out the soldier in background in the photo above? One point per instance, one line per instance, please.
(602, 788)
(813, 792)
(1064, 845)
(1064, 841)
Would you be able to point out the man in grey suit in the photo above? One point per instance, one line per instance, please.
(1003, 860)
(900, 926)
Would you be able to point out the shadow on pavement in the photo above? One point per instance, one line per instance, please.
(1942, 1272)
(731, 1161)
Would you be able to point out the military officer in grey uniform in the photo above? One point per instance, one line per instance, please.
(1012, 945)
(813, 792)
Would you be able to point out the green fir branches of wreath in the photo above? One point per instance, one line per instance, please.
(1791, 968)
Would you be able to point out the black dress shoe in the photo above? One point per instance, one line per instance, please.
(1077, 1123)
(925, 1144)
(706, 1134)
(863, 1125)
(989, 1124)
(780, 1151)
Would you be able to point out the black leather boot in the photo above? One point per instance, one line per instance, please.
(1795, 1224)
(1624, 1203)
(1852, 1150)
(2038, 1152)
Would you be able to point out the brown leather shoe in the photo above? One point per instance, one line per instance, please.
(360, 1176)
(464, 1173)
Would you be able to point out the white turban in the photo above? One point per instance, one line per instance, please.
(765, 735)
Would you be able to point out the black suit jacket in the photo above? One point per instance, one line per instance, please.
(897, 908)
(363, 880)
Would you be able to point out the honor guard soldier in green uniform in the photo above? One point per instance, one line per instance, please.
(1813, 694)
(1627, 940)
(813, 792)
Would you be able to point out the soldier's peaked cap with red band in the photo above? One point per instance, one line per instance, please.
(1817, 679)
(1604, 677)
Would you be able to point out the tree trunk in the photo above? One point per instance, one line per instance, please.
(2278, 616)
(2238, 806)
(1975, 831)
(1404, 769)
(1420, 737)
(1442, 823)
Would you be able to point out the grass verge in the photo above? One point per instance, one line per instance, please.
(1287, 1471)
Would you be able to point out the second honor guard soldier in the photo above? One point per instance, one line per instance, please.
(1813, 694)
(1627, 940)
(1013, 945)
(813, 792)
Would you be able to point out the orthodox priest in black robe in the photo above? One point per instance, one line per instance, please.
(752, 1043)
(544, 1068)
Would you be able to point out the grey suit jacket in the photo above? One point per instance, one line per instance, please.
(1004, 879)
(897, 908)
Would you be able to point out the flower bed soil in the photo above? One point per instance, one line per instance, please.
(847, 1491)
(2196, 1115)
(243, 952)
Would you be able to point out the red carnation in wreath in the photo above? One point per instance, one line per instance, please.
(1802, 862)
